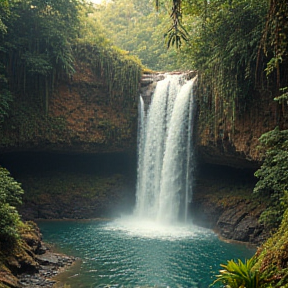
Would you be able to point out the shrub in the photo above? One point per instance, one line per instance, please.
(10, 196)
(273, 177)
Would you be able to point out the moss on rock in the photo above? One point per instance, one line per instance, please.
(272, 256)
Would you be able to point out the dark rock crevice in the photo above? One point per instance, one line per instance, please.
(223, 200)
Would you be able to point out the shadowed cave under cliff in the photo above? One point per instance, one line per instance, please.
(73, 185)
(68, 185)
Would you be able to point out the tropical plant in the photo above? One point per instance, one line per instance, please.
(36, 49)
(10, 196)
(224, 49)
(273, 178)
(177, 31)
(239, 274)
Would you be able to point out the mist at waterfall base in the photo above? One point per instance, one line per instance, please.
(157, 246)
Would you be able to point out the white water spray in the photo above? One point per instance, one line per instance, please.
(164, 152)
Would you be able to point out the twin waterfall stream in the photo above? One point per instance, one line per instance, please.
(164, 182)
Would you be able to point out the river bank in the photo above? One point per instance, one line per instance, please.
(31, 263)
(51, 265)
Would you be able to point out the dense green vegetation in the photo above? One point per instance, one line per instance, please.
(225, 54)
(138, 28)
(10, 196)
(42, 45)
(40, 41)
(36, 46)
(272, 257)
(273, 181)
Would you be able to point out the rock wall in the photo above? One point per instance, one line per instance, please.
(223, 201)
(82, 117)
(235, 144)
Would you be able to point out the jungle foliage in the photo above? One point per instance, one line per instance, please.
(273, 178)
(121, 71)
(224, 48)
(39, 43)
(271, 257)
(136, 26)
(36, 49)
(10, 197)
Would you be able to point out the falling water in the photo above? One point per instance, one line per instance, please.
(164, 152)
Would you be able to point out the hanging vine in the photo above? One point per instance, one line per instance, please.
(121, 72)
(225, 56)
(274, 45)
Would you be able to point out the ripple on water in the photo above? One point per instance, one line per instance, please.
(133, 253)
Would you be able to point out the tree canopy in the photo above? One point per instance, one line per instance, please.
(36, 46)
(137, 27)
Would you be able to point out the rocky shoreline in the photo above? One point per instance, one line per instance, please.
(50, 265)
(31, 263)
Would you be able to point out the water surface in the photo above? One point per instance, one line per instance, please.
(134, 253)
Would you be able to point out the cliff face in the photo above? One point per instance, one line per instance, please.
(235, 144)
(224, 202)
(82, 118)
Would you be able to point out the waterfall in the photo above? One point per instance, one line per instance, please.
(165, 152)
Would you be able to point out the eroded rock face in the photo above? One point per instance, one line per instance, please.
(238, 221)
(82, 117)
(234, 143)
(222, 201)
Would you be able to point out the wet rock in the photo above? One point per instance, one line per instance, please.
(48, 258)
(244, 231)
(33, 264)
(237, 222)
(51, 264)
(230, 218)
(223, 206)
